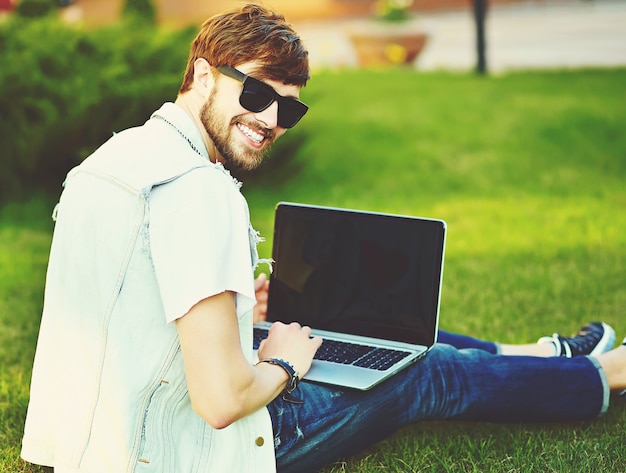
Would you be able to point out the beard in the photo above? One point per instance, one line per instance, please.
(236, 156)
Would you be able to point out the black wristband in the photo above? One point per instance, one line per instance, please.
(289, 369)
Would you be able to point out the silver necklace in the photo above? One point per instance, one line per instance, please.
(193, 147)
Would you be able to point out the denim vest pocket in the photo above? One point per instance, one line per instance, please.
(165, 400)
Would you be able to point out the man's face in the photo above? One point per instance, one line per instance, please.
(242, 138)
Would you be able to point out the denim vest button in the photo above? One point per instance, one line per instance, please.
(260, 441)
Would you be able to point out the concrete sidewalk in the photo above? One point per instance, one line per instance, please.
(533, 34)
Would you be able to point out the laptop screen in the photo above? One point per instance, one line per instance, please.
(363, 273)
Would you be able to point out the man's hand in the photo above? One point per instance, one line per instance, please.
(261, 289)
(292, 343)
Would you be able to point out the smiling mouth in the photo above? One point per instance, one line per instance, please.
(250, 133)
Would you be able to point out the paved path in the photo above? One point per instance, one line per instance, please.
(532, 34)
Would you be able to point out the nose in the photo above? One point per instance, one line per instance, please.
(269, 116)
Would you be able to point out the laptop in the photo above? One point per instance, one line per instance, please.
(368, 283)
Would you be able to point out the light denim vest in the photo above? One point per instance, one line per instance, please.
(108, 392)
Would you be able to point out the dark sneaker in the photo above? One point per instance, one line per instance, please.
(593, 339)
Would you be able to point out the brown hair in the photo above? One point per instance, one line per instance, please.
(251, 33)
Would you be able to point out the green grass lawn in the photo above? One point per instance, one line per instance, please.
(528, 170)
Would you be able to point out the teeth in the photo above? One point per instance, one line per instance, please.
(253, 135)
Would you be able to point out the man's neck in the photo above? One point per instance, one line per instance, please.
(191, 102)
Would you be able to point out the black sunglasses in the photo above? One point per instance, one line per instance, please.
(256, 96)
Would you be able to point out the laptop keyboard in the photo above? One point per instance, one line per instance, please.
(349, 353)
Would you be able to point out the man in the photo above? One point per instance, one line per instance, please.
(144, 359)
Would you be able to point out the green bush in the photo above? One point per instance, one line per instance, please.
(139, 10)
(64, 90)
(34, 8)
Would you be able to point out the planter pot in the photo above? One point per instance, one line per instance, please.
(391, 49)
(380, 44)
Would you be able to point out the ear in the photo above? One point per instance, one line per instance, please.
(203, 78)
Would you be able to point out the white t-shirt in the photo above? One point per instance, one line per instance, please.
(199, 228)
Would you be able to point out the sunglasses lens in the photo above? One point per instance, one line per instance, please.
(290, 111)
(255, 96)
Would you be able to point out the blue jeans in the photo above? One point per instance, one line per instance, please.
(449, 383)
(463, 341)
